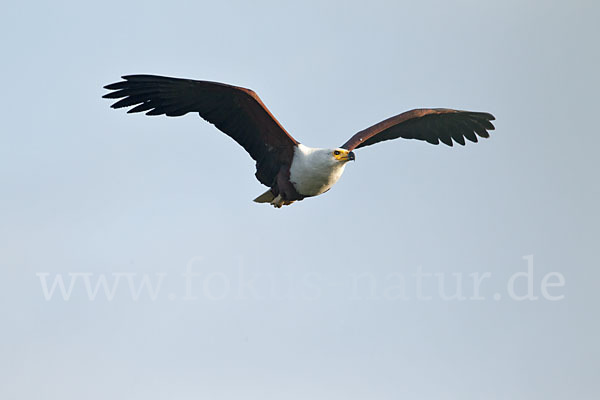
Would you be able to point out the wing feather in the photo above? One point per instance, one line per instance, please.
(433, 125)
(238, 112)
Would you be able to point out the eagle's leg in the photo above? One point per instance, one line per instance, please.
(286, 192)
(278, 201)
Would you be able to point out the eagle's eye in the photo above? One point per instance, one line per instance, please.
(336, 153)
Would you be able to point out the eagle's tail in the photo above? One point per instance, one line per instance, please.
(266, 197)
(275, 201)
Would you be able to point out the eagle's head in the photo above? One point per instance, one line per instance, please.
(341, 155)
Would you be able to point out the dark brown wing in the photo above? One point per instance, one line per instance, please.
(236, 111)
(430, 124)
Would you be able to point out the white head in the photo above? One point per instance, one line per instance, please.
(314, 171)
(334, 157)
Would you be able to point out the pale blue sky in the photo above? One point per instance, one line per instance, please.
(87, 189)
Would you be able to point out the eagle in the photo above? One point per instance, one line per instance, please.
(291, 170)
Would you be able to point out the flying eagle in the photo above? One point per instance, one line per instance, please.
(291, 170)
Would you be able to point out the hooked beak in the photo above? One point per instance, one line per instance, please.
(344, 155)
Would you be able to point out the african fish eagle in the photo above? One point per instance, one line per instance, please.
(291, 170)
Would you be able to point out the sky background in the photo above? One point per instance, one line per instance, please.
(318, 300)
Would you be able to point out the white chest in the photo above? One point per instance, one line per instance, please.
(314, 171)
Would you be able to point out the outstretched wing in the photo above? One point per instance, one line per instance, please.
(236, 111)
(430, 124)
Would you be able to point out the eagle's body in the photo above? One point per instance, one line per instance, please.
(313, 171)
(291, 170)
